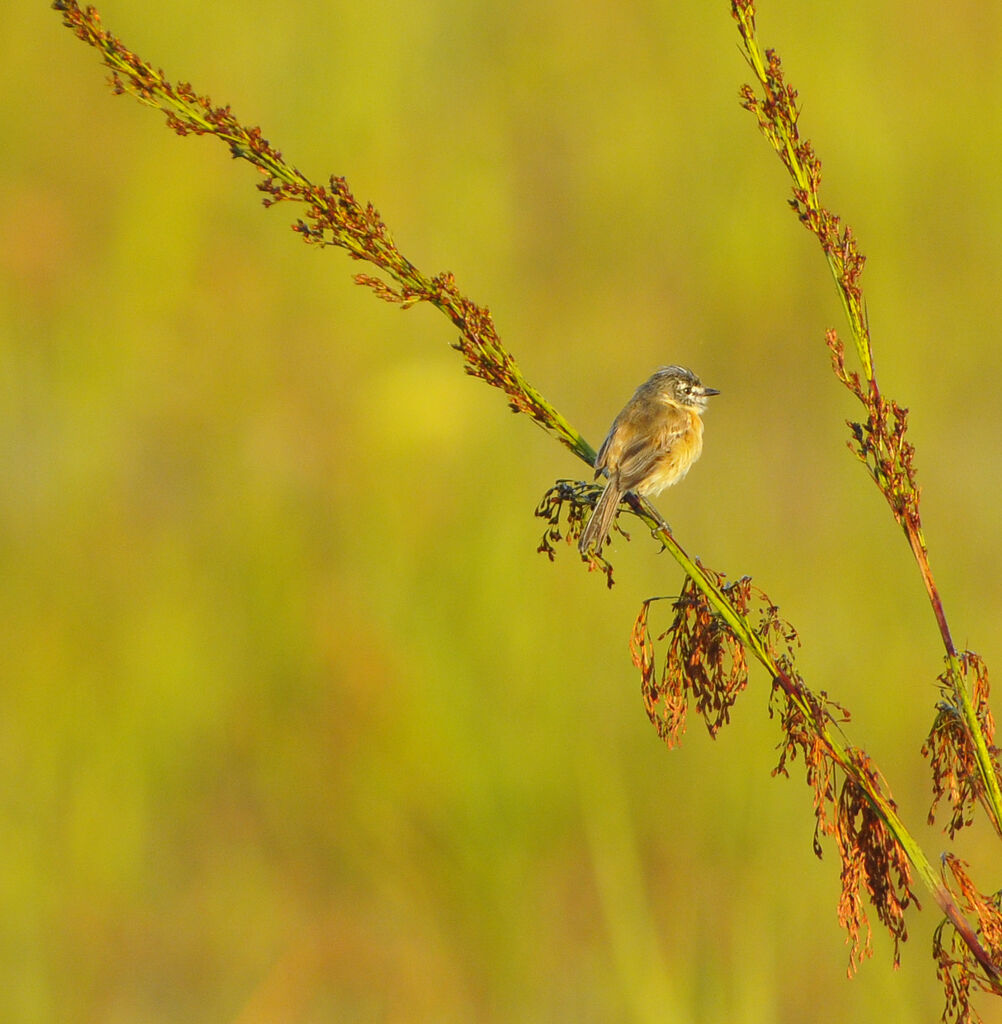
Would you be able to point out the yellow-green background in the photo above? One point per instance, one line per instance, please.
(295, 725)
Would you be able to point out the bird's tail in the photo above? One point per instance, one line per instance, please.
(598, 526)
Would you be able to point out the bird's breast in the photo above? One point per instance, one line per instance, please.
(679, 450)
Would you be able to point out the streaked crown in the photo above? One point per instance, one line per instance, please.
(680, 385)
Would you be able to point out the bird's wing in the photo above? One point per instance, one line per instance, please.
(640, 457)
(602, 459)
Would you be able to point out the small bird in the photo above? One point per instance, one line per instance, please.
(650, 446)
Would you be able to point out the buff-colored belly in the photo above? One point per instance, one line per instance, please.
(675, 463)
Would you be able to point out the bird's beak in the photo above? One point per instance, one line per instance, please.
(710, 391)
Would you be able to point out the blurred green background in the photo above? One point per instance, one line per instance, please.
(296, 725)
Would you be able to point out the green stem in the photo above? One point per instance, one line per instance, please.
(744, 631)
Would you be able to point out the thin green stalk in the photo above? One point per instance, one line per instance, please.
(880, 442)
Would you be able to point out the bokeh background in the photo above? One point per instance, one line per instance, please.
(296, 725)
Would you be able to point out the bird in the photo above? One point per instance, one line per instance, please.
(651, 445)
